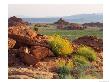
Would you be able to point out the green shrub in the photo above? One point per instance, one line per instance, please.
(60, 46)
(36, 29)
(80, 60)
(61, 63)
(65, 68)
(87, 52)
(63, 71)
(69, 64)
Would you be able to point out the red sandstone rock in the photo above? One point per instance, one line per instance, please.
(21, 31)
(34, 54)
(14, 21)
(12, 56)
(91, 41)
(11, 43)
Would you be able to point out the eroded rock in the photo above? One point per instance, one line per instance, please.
(14, 21)
(91, 41)
(23, 31)
(32, 55)
(12, 60)
(11, 43)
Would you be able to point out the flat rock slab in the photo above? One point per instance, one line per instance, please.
(28, 73)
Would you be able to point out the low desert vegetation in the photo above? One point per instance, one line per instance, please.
(87, 52)
(71, 34)
(60, 46)
(80, 60)
(65, 68)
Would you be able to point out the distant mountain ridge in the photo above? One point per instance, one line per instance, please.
(80, 18)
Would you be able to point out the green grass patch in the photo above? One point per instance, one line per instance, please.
(70, 34)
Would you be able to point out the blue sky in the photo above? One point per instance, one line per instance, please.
(45, 10)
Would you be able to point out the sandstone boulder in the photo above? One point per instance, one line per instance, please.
(32, 55)
(91, 41)
(31, 46)
(12, 53)
(21, 31)
(14, 21)
(11, 43)
(27, 36)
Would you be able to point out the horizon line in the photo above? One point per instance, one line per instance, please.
(51, 16)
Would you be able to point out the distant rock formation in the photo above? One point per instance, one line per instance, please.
(61, 21)
(62, 24)
(92, 24)
(75, 26)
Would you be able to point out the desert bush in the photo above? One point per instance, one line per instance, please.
(61, 63)
(63, 71)
(77, 59)
(60, 46)
(36, 29)
(81, 61)
(69, 64)
(87, 52)
(65, 68)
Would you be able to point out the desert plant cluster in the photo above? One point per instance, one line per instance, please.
(60, 46)
(52, 56)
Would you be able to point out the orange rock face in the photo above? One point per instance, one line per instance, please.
(26, 35)
(12, 56)
(21, 31)
(31, 46)
(26, 57)
(92, 41)
(14, 21)
(11, 43)
(34, 54)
